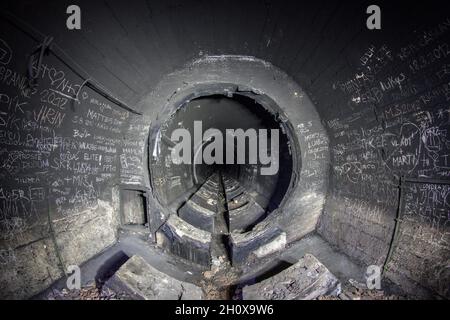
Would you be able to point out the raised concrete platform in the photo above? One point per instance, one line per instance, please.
(184, 240)
(232, 188)
(98, 268)
(305, 280)
(246, 215)
(141, 281)
(246, 245)
(206, 198)
(198, 216)
(243, 210)
(200, 210)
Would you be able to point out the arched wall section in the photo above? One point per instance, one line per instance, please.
(235, 74)
(381, 100)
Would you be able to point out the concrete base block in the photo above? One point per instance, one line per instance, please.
(184, 240)
(141, 281)
(198, 216)
(305, 280)
(244, 212)
(246, 245)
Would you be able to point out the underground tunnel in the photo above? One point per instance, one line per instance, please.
(224, 150)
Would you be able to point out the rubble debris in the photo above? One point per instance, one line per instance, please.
(217, 281)
(354, 290)
(87, 292)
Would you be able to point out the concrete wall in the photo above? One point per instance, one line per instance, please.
(64, 157)
(388, 118)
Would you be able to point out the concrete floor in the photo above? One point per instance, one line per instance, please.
(132, 242)
(339, 264)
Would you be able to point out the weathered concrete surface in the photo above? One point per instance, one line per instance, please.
(185, 241)
(82, 236)
(133, 211)
(27, 270)
(141, 281)
(198, 216)
(31, 261)
(421, 259)
(201, 208)
(243, 245)
(277, 244)
(360, 114)
(240, 74)
(246, 215)
(340, 265)
(305, 280)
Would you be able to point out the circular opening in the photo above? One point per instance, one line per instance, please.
(213, 127)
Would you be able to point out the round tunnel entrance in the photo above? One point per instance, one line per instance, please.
(220, 214)
(237, 159)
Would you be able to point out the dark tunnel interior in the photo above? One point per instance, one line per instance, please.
(223, 113)
(231, 150)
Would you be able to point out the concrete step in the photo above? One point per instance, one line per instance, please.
(307, 279)
(245, 216)
(243, 210)
(233, 191)
(262, 241)
(141, 281)
(206, 198)
(202, 207)
(185, 240)
(197, 216)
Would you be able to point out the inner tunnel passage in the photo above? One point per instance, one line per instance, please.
(222, 197)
